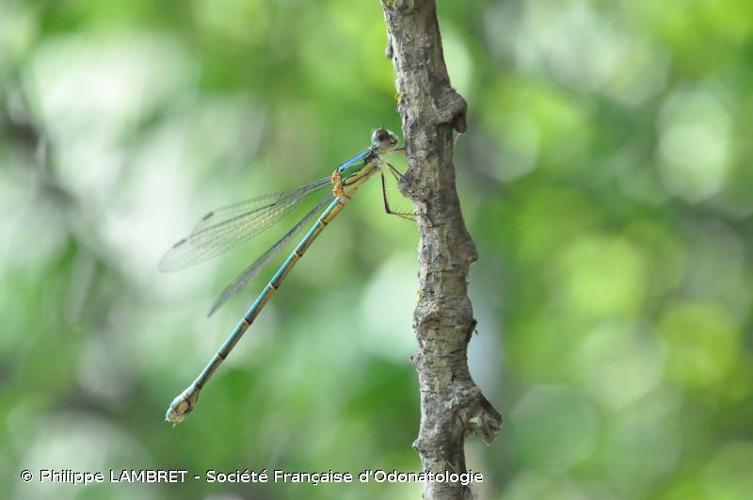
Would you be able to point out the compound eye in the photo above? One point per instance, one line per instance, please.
(381, 136)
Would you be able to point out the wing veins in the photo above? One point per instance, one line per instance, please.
(256, 267)
(219, 236)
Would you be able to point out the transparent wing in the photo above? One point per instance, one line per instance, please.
(225, 228)
(255, 268)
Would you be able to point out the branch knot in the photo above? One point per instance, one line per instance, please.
(451, 108)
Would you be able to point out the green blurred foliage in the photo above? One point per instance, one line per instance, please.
(605, 177)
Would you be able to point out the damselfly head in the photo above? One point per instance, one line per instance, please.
(383, 139)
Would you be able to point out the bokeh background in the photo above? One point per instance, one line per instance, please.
(605, 177)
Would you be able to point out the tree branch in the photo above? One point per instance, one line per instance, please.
(452, 406)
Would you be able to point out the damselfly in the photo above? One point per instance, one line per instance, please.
(227, 227)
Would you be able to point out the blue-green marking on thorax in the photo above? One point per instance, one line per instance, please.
(354, 165)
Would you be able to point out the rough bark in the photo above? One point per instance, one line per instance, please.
(452, 405)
